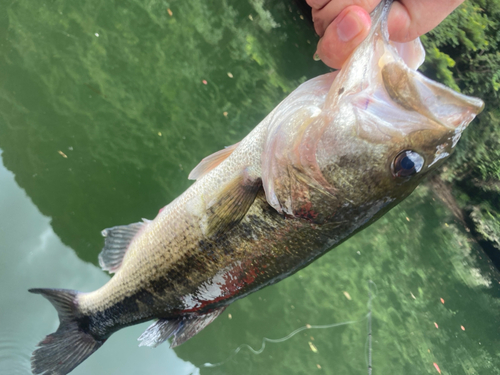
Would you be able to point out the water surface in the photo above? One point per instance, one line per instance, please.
(104, 110)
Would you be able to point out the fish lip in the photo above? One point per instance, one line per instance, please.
(439, 104)
(472, 107)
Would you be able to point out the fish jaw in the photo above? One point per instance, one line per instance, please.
(289, 143)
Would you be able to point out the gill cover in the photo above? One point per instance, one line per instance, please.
(378, 96)
(290, 172)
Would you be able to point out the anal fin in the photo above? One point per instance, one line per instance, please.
(182, 328)
(159, 332)
(116, 243)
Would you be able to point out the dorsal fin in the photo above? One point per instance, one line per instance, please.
(211, 161)
(116, 243)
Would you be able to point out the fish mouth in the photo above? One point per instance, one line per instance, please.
(381, 77)
(393, 99)
(438, 103)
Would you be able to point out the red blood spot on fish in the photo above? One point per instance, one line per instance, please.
(204, 82)
(250, 276)
(235, 279)
(442, 301)
(306, 212)
(437, 367)
(463, 328)
(436, 325)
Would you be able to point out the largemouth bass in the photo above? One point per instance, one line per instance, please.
(332, 158)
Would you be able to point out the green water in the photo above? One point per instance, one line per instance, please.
(104, 110)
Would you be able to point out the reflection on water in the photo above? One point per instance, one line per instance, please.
(105, 108)
(265, 340)
(32, 255)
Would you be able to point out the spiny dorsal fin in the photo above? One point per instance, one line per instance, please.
(232, 203)
(211, 161)
(116, 243)
(182, 328)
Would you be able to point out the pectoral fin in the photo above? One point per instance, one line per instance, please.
(232, 203)
(182, 328)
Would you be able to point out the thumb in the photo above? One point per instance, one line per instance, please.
(343, 35)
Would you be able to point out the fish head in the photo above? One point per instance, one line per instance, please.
(365, 136)
(386, 126)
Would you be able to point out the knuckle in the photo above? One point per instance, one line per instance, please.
(317, 4)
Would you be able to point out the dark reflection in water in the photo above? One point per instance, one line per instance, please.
(104, 110)
(32, 254)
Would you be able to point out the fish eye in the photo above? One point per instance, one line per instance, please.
(407, 163)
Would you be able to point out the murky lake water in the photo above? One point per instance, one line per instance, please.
(106, 107)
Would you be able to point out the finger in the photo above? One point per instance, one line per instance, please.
(409, 19)
(343, 35)
(325, 15)
(317, 4)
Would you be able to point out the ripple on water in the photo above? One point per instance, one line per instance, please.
(15, 352)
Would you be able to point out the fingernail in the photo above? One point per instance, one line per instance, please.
(316, 57)
(349, 27)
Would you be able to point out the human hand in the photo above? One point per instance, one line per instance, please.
(343, 24)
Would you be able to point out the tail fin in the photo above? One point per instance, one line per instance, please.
(63, 350)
